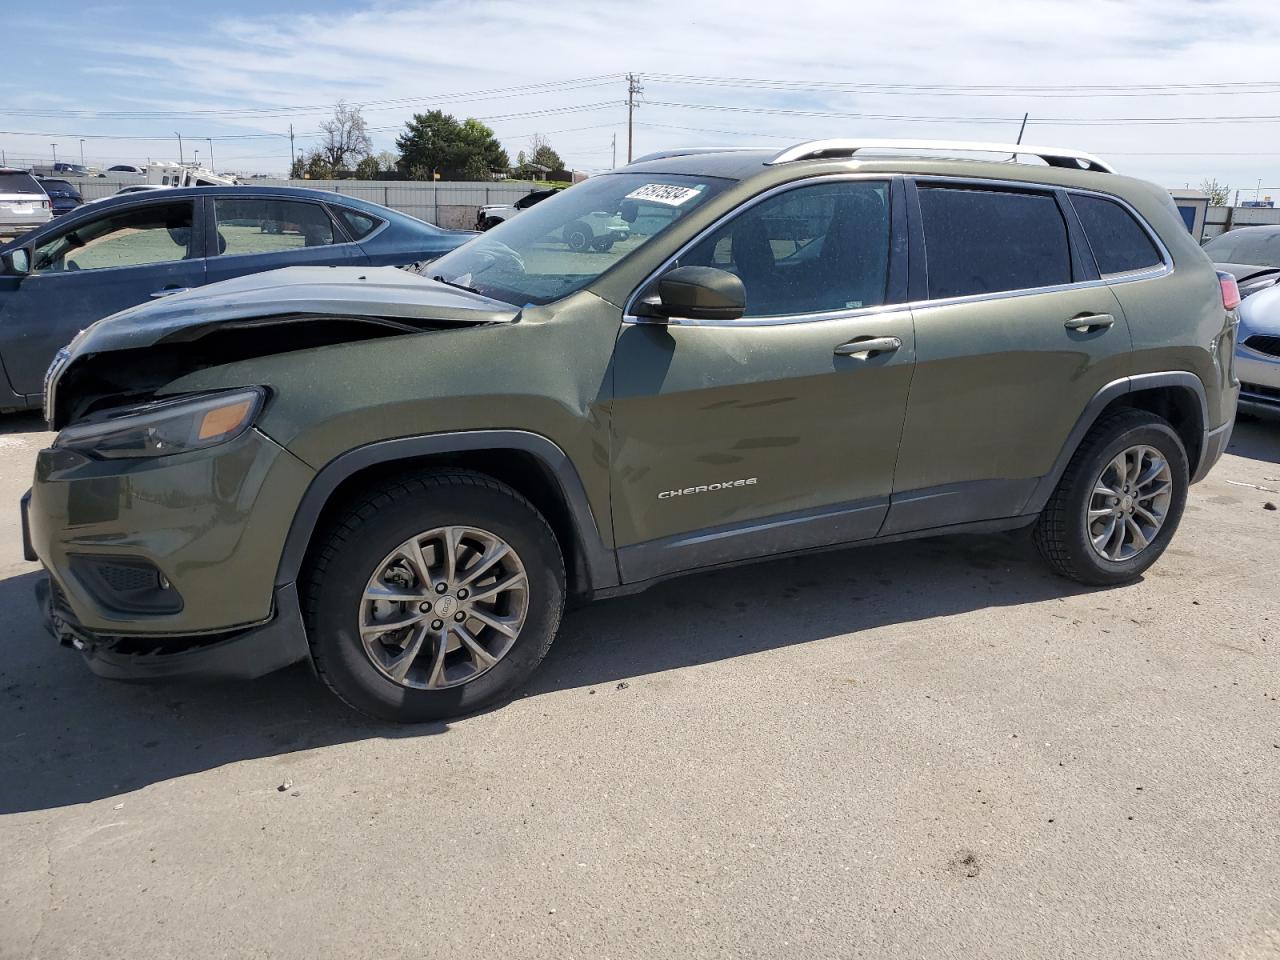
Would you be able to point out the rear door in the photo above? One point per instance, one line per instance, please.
(749, 437)
(250, 234)
(1015, 333)
(90, 269)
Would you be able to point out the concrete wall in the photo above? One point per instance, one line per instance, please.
(444, 204)
(1220, 219)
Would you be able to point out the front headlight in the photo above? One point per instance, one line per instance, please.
(165, 427)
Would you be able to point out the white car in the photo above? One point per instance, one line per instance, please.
(23, 203)
(1258, 353)
(492, 214)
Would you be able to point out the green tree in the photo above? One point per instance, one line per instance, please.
(368, 169)
(1219, 193)
(318, 166)
(298, 169)
(435, 142)
(542, 153)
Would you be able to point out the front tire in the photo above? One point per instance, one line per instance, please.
(433, 596)
(1119, 502)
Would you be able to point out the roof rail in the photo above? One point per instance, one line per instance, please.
(1053, 156)
(692, 151)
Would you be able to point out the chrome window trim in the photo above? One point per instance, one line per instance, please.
(775, 321)
(1165, 267)
(1166, 258)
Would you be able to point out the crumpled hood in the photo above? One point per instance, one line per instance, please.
(389, 293)
(1260, 314)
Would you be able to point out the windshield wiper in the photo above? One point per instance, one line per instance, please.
(460, 286)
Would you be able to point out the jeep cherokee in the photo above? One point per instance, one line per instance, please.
(401, 477)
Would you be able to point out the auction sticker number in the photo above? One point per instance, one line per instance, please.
(665, 193)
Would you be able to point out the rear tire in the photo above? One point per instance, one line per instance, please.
(491, 523)
(602, 244)
(1091, 535)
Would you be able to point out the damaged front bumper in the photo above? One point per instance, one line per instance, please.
(243, 655)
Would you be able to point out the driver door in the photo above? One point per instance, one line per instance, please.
(743, 438)
(92, 269)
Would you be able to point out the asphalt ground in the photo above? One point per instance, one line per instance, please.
(929, 749)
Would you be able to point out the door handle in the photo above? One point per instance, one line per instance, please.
(867, 347)
(1090, 321)
(169, 292)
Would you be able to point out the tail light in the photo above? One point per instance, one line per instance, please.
(44, 204)
(1230, 291)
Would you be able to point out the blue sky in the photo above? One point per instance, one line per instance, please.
(244, 71)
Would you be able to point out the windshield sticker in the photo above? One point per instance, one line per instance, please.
(664, 193)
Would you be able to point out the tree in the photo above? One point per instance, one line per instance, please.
(318, 166)
(368, 169)
(435, 142)
(1219, 194)
(298, 169)
(386, 161)
(346, 137)
(541, 153)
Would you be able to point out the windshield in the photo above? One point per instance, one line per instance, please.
(563, 243)
(1251, 245)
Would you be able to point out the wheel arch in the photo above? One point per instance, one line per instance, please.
(531, 464)
(1177, 395)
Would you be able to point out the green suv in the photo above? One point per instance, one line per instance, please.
(402, 476)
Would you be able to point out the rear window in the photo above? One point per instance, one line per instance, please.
(987, 241)
(359, 225)
(1119, 243)
(57, 185)
(19, 183)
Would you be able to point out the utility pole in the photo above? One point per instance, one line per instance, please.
(212, 166)
(615, 151)
(82, 151)
(633, 90)
(55, 157)
(181, 158)
(292, 159)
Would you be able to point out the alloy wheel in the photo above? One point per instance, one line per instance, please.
(444, 607)
(1129, 503)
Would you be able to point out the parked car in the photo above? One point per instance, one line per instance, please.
(133, 189)
(23, 203)
(1258, 353)
(127, 168)
(123, 251)
(63, 197)
(402, 478)
(70, 169)
(1250, 254)
(492, 214)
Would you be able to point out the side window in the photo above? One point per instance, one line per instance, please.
(1119, 244)
(359, 225)
(152, 233)
(813, 249)
(986, 241)
(265, 225)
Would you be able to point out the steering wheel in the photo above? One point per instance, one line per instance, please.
(496, 252)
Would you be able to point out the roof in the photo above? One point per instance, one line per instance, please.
(879, 156)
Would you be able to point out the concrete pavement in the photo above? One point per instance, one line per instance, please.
(930, 749)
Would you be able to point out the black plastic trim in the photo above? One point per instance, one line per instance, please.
(245, 655)
(599, 563)
(965, 502)
(766, 536)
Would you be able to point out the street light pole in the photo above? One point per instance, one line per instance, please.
(181, 159)
(55, 155)
(212, 166)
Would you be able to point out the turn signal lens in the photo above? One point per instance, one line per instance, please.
(224, 420)
(1230, 290)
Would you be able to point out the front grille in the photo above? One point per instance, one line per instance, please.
(1257, 392)
(1264, 343)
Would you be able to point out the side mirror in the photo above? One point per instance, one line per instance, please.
(17, 263)
(696, 293)
(629, 210)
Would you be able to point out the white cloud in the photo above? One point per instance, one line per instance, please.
(396, 50)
